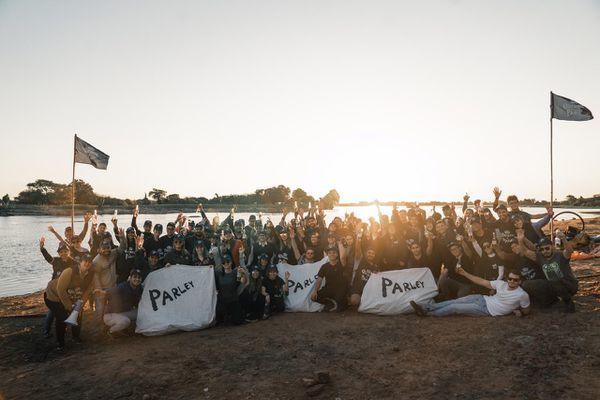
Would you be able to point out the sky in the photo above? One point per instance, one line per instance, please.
(388, 100)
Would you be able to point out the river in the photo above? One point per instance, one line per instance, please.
(24, 270)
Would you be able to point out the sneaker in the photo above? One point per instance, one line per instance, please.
(266, 316)
(330, 306)
(251, 320)
(418, 309)
(60, 348)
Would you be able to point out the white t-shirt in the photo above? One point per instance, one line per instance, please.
(505, 300)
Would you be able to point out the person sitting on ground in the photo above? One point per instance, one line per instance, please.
(62, 294)
(123, 301)
(333, 295)
(560, 281)
(452, 285)
(274, 289)
(252, 298)
(366, 267)
(509, 298)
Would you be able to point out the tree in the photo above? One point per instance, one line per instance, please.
(158, 194)
(173, 199)
(6, 199)
(331, 199)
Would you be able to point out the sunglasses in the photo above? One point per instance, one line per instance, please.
(513, 279)
(546, 248)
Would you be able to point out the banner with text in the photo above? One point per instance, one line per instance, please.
(179, 297)
(301, 283)
(390, 292)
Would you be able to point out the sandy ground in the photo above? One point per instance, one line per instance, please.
(548, 355)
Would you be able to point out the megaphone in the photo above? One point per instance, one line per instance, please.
(72, 320)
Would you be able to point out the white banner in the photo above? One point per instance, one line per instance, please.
(179, 297)
(390, 292)
(301, 283)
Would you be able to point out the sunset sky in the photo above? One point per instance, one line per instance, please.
(395, 100)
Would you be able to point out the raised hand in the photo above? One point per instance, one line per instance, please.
(497, 192)
(51, 229)
(466, 197)
(42, 242)
(287, 275)
(136, 212)
(87, 216)
(140, 242)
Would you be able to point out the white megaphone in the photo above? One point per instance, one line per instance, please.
(72, 320)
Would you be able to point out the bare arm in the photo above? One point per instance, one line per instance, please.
(475, 279)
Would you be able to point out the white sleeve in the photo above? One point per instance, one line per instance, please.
(494, 284)
(524, 300)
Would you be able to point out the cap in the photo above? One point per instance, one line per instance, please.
(545, 241)
(171, 225)
(252, 217)
(179, 237)
(263, 256)
(501, 207)
(85, 258)
(280, 229)
(62, 246)
(226, 258)
(130, 229)
(333, 248)
(227, 231)
(158, 227)
(199, 243)
(283, 256)
(452, 244)
(153, 253)
(106, 244)
(147, 223)
(135, 272)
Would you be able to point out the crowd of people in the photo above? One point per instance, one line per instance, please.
(487, 261)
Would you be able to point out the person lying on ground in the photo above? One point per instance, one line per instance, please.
(509, 298)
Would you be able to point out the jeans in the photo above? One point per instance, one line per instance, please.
(119, 321)
(539, 224)
(473, 305)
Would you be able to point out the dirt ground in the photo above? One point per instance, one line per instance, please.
(547, 355)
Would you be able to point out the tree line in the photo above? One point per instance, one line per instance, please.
(46, 192)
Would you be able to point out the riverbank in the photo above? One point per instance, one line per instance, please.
(547, 355)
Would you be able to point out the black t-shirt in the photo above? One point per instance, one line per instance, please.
(166, 243)
(465, 262)
(424, 262)
(505, 233)
(529, 269)
(488, 267)
(227, 285)
(335, 278)
(181, 257)
(363, 273)
(274, 288)
(268, 249)
(558, 268)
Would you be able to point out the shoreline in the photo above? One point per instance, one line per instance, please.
(25, 210)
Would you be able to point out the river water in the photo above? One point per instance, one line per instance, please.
(24, 270)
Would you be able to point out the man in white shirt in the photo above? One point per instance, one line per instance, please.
(509, 298)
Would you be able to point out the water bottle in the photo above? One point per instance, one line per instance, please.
(557, 241)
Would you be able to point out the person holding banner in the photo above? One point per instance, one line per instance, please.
(334, 295)
(509, 298)
(274, 289)
(366, 267)
(123, 300)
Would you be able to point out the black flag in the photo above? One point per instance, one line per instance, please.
(85, 153)
(568, 110)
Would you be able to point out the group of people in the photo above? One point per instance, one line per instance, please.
(487, 261)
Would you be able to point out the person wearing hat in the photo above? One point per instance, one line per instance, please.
(262, 246)
(148, 265)
(122, 302)
(227, 281)
(366, 267)
(105, 274)
(178, 255)
(62, 293)
(451, 284)
(126, 259)
(334, 295)
(99, 234)
(274, 289)
(560, 283)
(284, 247)
(153, 243)
(166, 241)
(59, 264)
(147, 232)
(263, 265)
(200, 256)
(504, 228)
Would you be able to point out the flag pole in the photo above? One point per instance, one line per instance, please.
(551, 169)
(73, 187)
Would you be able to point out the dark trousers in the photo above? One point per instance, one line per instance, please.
(252, 308)
(451, 289)
(233, 310)
(48, 322)
(277, 305)
(61, 315)
(339, 296)
(544, 293)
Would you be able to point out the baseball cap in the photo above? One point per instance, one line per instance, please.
(545, 241)
(158, 227)
(154, 253)
(147, 222)
(106, 244)
(226, 258)
(136, 272)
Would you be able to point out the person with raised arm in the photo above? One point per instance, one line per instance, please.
(509, 298)
(560, 283)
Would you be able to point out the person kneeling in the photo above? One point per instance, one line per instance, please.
(123, 300)
(509, 298)
(274, 289)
